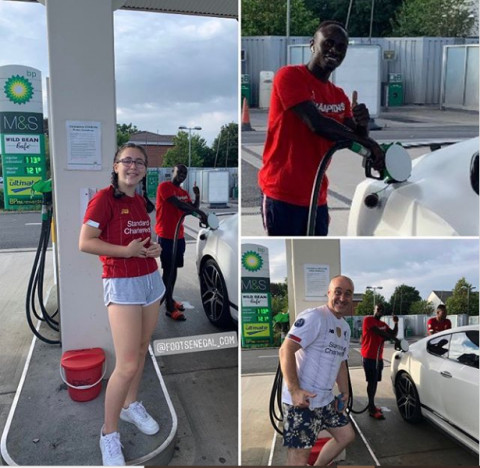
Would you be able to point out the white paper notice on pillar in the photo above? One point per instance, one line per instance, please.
(317, 279)
(20, 89)
(84, 143)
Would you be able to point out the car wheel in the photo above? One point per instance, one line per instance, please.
(214, 294)
(408, 401)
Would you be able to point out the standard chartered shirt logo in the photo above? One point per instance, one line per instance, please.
(137, 227)
(335, 349)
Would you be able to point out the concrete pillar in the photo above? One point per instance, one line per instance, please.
(82, 88)
(302, 252)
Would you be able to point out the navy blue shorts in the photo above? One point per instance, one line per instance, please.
(301, 426)
(284, 219)
(167, 252)
(372, 372)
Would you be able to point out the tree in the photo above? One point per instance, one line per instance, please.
(359, 22)
(123, 133)
(179, 153)
(224, 148)
(402, 298)
(269, 18)
(279, 289)
(366, 306)
(421, 307)
(450, 18)
(463, 300)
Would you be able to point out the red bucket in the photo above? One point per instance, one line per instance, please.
(83, 370)
(315, 452)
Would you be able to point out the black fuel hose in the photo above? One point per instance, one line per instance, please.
(35, 283)
(322, 167)
(276, 399)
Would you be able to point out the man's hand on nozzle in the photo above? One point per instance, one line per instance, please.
(378, 155)
(203, 217)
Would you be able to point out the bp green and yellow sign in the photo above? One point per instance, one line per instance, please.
(257, 327)
(22, 142)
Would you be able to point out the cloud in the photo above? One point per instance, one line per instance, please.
(170, 70)
(426, 264)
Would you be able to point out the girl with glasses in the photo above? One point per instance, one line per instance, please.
(117, 229)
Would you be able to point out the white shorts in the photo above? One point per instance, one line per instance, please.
(141, 290)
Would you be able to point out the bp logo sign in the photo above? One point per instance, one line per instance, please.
(252, 261)
(18, 89)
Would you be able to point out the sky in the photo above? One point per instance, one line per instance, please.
(171, 70)
(425, 264)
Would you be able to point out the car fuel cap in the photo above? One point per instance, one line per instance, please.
(398, 165)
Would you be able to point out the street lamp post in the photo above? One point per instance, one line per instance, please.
(468, 288)
(374, 288)
(183, 127)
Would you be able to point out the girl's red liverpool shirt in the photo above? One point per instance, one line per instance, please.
(121, 220)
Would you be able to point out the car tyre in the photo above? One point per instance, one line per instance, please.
(214, 294)
(408, 401)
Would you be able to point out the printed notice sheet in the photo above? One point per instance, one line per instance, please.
(84, 145)
(316, 281)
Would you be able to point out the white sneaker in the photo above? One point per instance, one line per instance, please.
(111, 448)
(137, 414)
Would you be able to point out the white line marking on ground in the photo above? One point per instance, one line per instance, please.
(377, 463)
(272, 449)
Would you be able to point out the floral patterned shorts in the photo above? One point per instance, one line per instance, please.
(302, 425)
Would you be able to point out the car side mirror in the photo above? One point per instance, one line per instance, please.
(474, 173)
(404, 346)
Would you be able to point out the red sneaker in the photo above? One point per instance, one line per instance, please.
(377, 415)
(176, 315)
(179, 306)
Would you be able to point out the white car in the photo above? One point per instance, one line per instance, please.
(217, 267)
(437, 378)
(439, 199)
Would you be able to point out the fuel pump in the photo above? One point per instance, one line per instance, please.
(398, 167)
(35, 283)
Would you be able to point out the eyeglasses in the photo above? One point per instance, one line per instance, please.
(130, 161)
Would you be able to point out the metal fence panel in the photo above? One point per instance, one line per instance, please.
(418, 59)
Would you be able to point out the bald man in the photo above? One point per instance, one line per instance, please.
(313, 357)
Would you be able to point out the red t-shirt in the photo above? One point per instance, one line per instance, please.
(434, 326)
(167, 214)
(121, 220)
(370, 340)
(292, 152)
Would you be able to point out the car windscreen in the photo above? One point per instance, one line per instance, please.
(439, 345)
(464, 348)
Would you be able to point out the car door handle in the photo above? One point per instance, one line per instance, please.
(446, 374)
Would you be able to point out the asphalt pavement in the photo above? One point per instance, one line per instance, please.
(413, 124)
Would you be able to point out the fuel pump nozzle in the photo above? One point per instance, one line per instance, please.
(398, 167)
